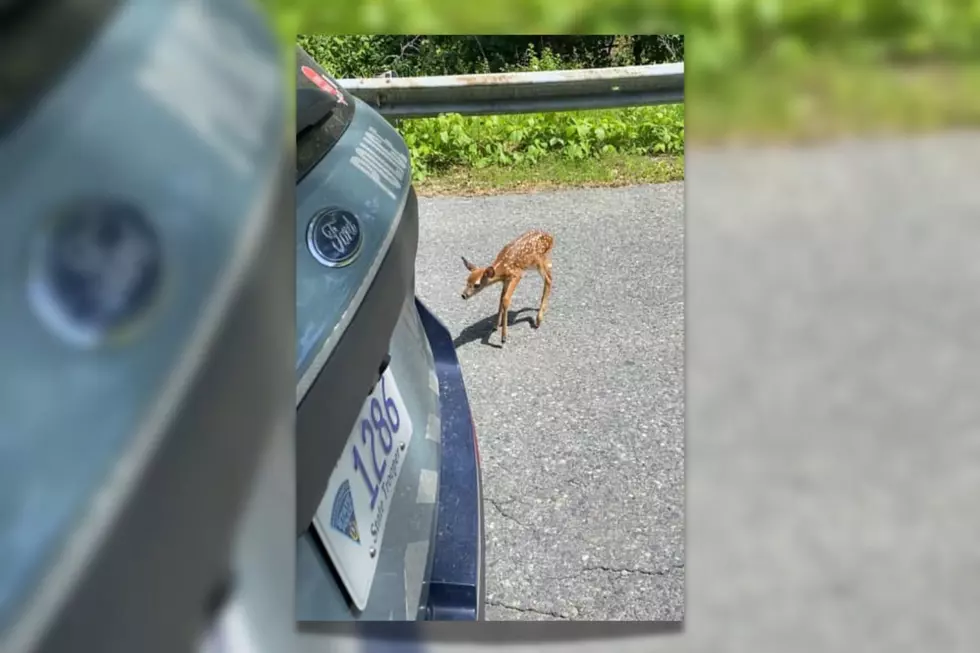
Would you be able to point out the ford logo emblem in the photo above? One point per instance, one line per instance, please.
(334, 237)
(95, 270)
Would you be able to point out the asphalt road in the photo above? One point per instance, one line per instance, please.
(833, 373)
(581, 422)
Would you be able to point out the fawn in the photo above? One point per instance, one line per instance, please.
(529, 250)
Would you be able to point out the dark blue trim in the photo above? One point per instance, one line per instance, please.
(390, 637)
(456, 588)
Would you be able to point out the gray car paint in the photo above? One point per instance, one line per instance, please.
(74, 421)
(397, 588)
(325, 297)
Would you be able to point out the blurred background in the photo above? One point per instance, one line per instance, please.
(755, 68)
(832, 272)
(145, 319)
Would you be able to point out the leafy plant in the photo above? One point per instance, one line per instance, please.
(365, 55)
(449, 140)
(522, 139)
(753, 67)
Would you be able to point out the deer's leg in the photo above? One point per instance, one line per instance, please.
(501, 311)
(505, 306)
(545, 269)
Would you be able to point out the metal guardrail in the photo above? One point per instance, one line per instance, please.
(500, 93)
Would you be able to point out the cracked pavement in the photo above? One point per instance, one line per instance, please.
(581, 422)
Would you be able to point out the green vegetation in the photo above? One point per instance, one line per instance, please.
(551, 172)
(756, 69)
(773, 71)
(448, 16)
(438, 144)
(826, 98)
(726, 33)
(584, 142)
(370, 55)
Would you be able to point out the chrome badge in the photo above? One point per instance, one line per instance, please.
(334, 237)
(95, 271)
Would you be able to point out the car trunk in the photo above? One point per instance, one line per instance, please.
(356, 319)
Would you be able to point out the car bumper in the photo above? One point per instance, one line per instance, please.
(456, 587)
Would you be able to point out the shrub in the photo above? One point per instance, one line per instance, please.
(479, 141)
(453, 140)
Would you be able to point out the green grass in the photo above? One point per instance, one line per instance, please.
(841, 47)
(552, 172)
(816, 99)
(826, 98)
(451, 17)
(451, 140)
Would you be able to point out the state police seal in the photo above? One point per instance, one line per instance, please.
(334, 237)
(95, 270)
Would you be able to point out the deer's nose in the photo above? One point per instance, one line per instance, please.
(463, 295)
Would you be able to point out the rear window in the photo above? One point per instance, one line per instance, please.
(323, 112)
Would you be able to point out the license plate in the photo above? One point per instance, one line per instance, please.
(352, 515)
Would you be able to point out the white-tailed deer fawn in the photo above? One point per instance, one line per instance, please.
(529, 250)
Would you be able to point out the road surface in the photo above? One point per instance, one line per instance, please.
(581, 422)
(833, 376)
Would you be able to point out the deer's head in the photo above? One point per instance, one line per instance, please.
(478, 278)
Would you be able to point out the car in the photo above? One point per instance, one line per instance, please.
(146, 316)
(389, 508)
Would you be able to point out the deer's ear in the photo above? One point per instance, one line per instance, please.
(489, 272)
(469, 266)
